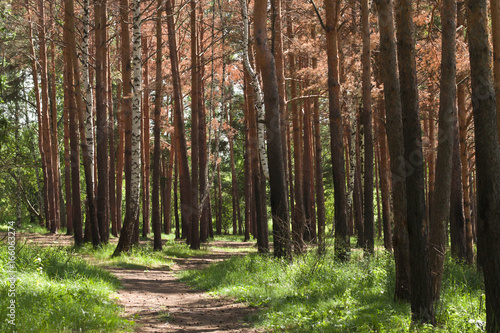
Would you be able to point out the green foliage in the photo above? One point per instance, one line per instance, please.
(59, 292)
(318, 294)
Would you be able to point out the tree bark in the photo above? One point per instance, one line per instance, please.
(132, 115)
(145, 148)
(194, 235)
(495, 32)
(45, 120)
(394, 129)
(487, 159)
(421, 297)
(83, 141)
(102, 195)
(277, 182)
(180, 131)
(342, 242)
(155, 195)
(367, 124)
(457, 218)
(447, 122)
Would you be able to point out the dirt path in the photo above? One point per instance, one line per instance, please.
(158, 302)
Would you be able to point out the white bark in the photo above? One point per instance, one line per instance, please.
(87, 87)
(259, 100)
(352, 159)
(136, 107)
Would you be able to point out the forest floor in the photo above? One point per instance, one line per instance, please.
(158, 302)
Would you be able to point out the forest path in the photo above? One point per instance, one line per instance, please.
(158, 302)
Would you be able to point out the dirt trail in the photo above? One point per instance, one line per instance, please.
(158, 302)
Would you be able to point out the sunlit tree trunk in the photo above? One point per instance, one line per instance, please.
(87, 85)
(45, 120)
(132, 121)
(342, 242)
(464, 158)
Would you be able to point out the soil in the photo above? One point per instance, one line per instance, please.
(158, 302)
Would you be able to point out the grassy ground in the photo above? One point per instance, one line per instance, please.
(318, 294)
(56, 291)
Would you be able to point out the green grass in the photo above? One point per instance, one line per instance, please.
(57, 291)
(318, 294)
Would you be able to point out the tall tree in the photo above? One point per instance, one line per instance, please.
(132, 126)
(447, 123)
(180, 131)
(79, 110)
(394, 127)
(279, 201)
(102, 196)
(194, 234)
(256, 105)
(487, 159)
(421, 298)
(45, 118)
(155, 195)
(145, 138)
(367, 124)
(495, 30)
(342, 242)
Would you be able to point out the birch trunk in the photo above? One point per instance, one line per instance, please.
(155, 195)
(87, 86)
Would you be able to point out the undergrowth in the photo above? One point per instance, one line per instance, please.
(318, 294)
(56, 291)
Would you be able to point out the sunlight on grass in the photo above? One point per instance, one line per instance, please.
(318, 294)
(58, 292)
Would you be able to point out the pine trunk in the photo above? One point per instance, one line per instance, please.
(277, 174)
(102, 196)
(368, 135)
(487, 159)
(342, 242)
(155, 195)
(421, 297)
(394, 129)
(444, 162)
